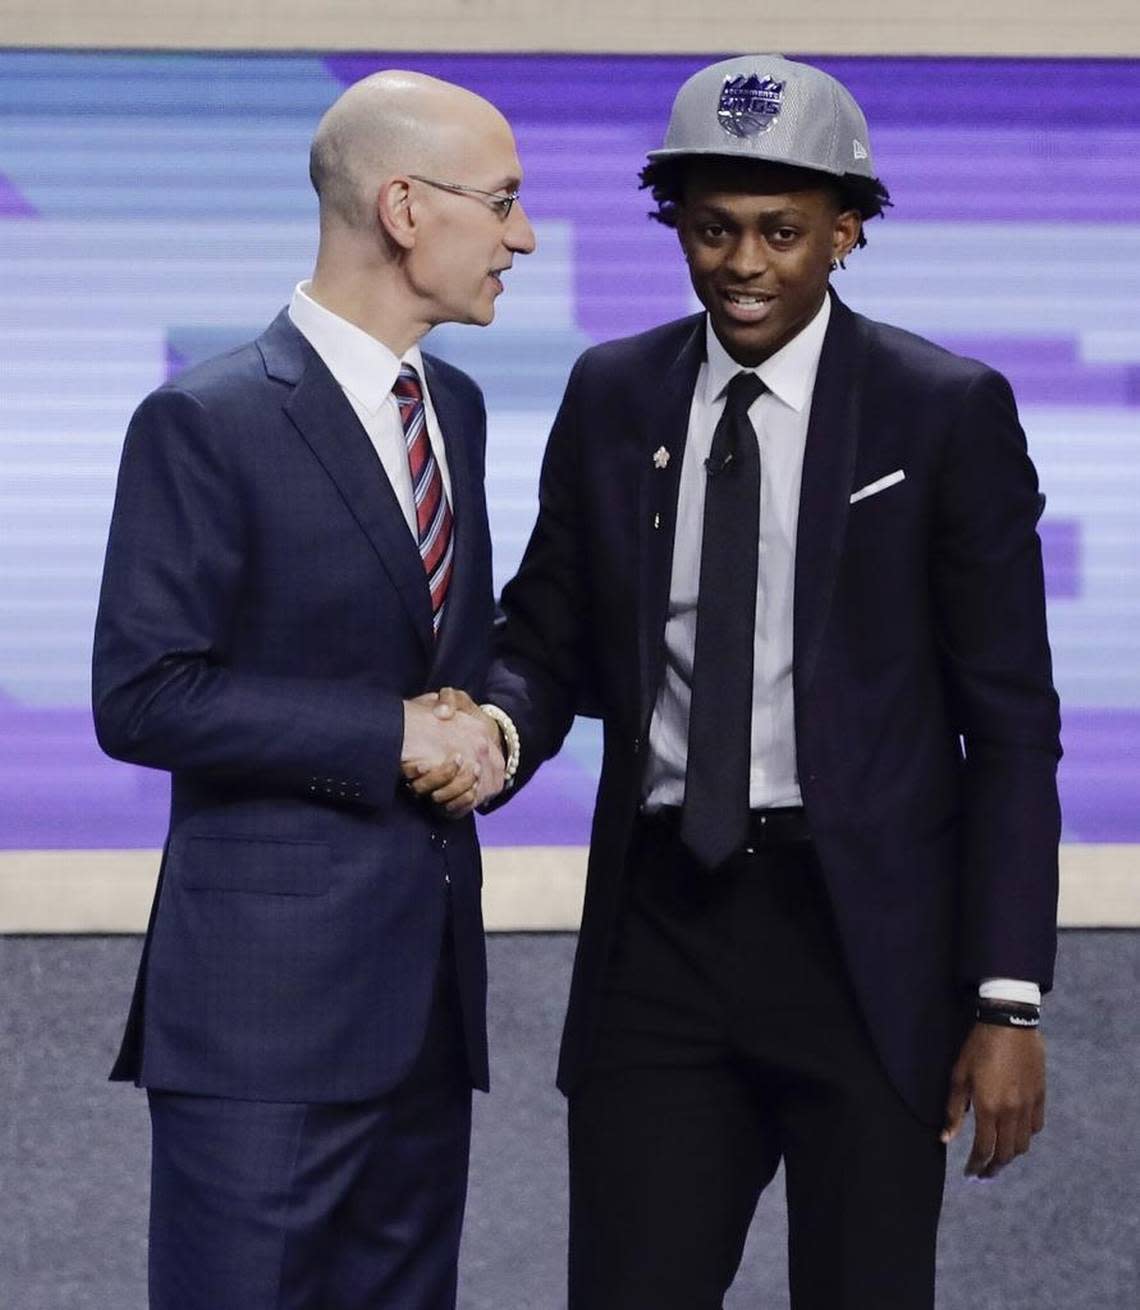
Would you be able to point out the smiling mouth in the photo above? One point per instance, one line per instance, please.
(747, 306)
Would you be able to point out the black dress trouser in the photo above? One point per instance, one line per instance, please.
(729, 1041)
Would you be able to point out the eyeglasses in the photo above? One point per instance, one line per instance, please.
(501, 201)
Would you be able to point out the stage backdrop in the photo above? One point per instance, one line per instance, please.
(154, 210)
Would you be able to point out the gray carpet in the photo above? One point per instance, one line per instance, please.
(1059, 1231)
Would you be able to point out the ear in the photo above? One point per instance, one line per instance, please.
(848, 225)
(394, 211)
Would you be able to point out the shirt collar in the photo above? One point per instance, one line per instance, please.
(363, 366)
(789, 374)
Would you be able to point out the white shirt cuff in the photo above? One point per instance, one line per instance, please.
(1009, 989)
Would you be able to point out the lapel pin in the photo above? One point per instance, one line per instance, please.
(660, 457)
(657, 520)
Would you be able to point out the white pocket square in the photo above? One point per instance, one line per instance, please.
(879, 484)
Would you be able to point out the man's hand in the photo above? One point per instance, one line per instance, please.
(1002, 1072)
(466, 776)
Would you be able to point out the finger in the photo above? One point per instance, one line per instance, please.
(424, 779)
(1005, 1144)
(444, 709)
(1024, 1137)
(985, 1142)
(463, 805)
(957, 1103)
(462, 783)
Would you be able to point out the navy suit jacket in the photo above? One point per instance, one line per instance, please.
(264, 613)
(927, 731)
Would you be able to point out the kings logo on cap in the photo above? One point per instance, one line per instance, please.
(749, 105)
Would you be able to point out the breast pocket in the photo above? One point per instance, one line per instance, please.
(255, 864)
(884, 583)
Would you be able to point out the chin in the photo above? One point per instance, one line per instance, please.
(746, 347)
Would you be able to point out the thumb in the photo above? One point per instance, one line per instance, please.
(447, 706)
(957, 1103)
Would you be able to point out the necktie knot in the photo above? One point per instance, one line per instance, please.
(406, 388)
(742, 392)
(734, 431)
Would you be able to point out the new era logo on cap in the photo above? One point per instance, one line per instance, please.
(858, 149)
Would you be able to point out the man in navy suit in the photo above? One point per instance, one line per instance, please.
(299, 551)
(790, 557)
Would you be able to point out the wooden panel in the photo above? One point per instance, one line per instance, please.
(526, 889)
(998, 27)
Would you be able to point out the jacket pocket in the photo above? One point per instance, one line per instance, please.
(255, 864)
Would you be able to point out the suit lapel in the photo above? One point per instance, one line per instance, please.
(321, 413)
(455, 423)
(829, 464)
(664, 421)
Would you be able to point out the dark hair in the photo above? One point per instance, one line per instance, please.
(665, 179)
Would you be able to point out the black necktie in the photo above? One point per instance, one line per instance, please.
(714, 817)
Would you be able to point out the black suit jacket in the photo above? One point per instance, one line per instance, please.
(264, 612)
(926, 722)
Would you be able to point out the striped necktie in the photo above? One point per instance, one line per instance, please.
(433, 513)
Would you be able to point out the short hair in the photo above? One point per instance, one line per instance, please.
(665, 180)
(333, 177)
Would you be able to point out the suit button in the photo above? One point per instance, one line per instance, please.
(636, 744)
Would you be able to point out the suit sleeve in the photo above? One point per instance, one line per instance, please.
(164, 694)
(990, 609)
(540, 672)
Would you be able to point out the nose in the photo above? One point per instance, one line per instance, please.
(748, 257)
(519, 235)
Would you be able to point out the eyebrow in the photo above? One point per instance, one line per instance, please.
(776, 215)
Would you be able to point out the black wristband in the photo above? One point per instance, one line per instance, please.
(1008, 1014)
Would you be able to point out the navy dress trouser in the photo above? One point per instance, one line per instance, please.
(288, 1206)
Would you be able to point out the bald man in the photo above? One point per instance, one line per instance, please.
(298, 552)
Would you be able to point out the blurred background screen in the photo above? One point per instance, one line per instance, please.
(155, 209)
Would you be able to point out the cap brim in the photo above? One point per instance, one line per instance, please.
(754, 159)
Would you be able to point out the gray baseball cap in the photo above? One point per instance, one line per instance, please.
(771, 109)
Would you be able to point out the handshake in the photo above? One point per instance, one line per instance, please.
(453, 753)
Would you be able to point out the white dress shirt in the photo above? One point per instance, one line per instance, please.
(366, 371)
(780, 419)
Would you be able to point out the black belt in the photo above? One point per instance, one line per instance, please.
(776, 827)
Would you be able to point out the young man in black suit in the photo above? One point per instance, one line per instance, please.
(790, 557)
